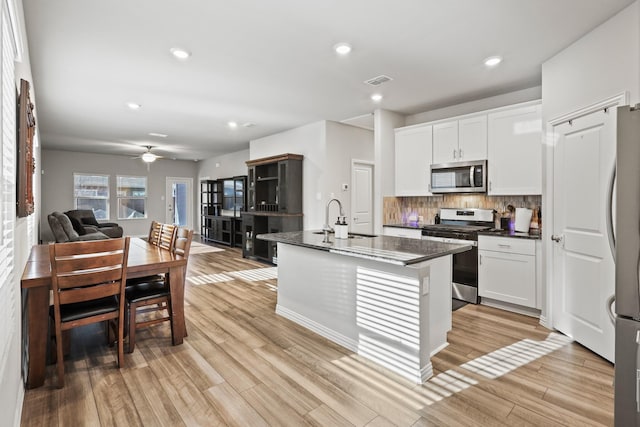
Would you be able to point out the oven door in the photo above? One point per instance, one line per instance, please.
(464, 270)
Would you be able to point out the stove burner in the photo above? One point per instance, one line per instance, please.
(454, 231)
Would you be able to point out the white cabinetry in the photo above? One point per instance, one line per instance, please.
(410, 233)
(460, 140)
(507, 270)
(413, 160)
(515, 151)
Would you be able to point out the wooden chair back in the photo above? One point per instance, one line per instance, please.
(154, 232)
(182, 244)
(84, 271)
(167, 236)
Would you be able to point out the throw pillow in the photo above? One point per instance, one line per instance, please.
(77, 225)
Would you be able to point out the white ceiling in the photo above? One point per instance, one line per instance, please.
(271, 63)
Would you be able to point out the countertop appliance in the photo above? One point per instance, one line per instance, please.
(627, 257)
(462, 226)
(459, 177)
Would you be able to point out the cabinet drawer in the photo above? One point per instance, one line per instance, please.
(507, 244)
(402, 232)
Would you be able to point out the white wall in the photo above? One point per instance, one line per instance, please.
(344, 144)
(225, 166)
(25, 235)
(308, 140)
(603, 63)
(57, 185)
(328, 148)
(385, 154)
(530, 94)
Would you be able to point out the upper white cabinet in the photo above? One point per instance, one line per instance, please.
(515, 151)
(460, 140)
(413, 160)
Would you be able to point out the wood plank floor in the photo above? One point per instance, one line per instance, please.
(243, 365)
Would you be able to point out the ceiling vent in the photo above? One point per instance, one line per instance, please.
(377, 81)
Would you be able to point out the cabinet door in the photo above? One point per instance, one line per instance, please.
(515, 151)
(445, 142)
(413, 161)
(251, 188)
(472, 138)
(507, 277)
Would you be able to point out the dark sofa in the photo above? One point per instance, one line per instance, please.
(84, 219)
(63, 230)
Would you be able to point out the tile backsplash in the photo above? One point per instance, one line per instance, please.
(397, 210)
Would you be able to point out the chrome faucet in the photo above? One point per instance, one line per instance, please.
(326, 227)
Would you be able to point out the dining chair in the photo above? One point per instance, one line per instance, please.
(161, 235)
(154, 232)
(88, 281)
(155, 295)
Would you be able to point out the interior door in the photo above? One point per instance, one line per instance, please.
(179, 201)
(583, 270)
(361, 197)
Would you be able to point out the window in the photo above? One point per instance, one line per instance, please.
(92, 192)
(132, 197)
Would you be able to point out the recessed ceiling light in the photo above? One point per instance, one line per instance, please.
(376, 97)
(134, 106)
(180, 53)
(492, 61)
(342, 48)
(159, 135)
(232, 125)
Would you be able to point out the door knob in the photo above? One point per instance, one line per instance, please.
(556, 239)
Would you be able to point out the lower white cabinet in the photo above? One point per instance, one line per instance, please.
(411, 233)
(507, 270)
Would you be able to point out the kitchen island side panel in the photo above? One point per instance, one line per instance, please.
(394, 315)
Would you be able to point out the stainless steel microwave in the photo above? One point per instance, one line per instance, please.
(459, 177)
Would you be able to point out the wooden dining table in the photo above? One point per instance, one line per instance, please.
(144, 260)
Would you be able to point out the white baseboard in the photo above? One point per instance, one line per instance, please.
(438, 349)
(319, 329)
(533, 312)
(419, 376)
(545, 322)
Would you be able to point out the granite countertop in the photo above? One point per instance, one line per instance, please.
(412, 225)
(393, 250)
(492, 232)
(510, 233)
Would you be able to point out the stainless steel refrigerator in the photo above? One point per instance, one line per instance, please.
(627, 302)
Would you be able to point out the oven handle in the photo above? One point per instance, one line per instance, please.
(471, 177)
(448, 240)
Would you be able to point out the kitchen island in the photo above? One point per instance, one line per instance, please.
(385, 298)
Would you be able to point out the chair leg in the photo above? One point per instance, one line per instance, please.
(132, 327)
(120, 342)
(60, 356)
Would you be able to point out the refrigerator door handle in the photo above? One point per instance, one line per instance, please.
(610, 313)
(609, 214)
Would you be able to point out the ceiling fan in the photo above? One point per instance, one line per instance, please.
(148, 157)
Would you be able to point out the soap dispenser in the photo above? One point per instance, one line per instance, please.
(341, 228)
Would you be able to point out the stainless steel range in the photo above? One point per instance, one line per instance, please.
(462, 226)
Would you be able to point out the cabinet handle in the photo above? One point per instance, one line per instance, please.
(455, 153)
(480, 259)
(500, 245)
(460, 152)
(489, 185)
